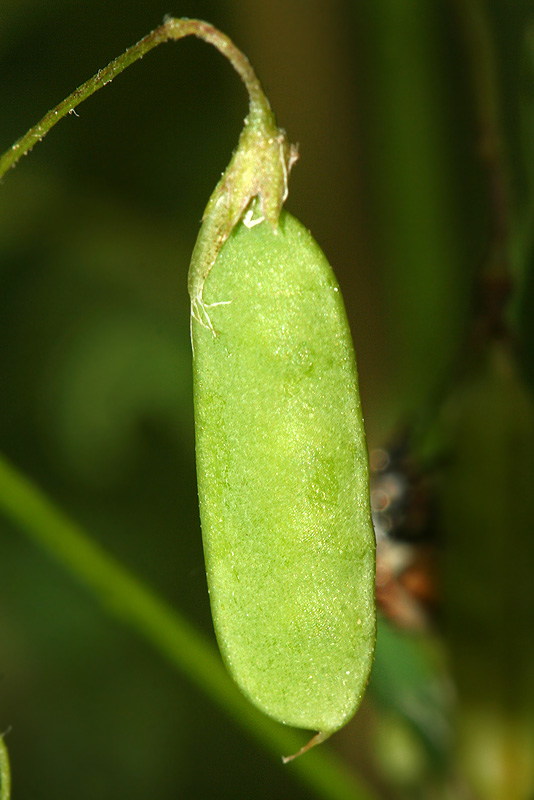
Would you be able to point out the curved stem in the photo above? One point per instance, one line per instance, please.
(5, 773)
(178, 28)
(171, 29)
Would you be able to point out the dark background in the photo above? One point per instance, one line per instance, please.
(96, 229)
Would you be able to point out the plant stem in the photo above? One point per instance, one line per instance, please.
(5, 773)
(415, 217)
(171, 30)
(119, 592)
(495, 279)
(126, 597)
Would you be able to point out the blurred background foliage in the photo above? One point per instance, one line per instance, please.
(415, 122)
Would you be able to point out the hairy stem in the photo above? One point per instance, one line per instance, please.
(171, 30)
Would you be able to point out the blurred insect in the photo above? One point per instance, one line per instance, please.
(404, 521)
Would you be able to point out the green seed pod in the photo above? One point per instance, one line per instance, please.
(283, 477)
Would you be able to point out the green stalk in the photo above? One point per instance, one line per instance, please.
(5, 773)
(125, 597)
(417, 240)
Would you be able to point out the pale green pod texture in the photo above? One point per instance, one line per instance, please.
(283, 478)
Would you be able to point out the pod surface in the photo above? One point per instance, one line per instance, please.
(283, 478)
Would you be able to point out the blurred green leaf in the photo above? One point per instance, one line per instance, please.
(409, 680)
(113, 373)
(488, 512)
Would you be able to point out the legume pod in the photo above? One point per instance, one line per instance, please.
(283, 478)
